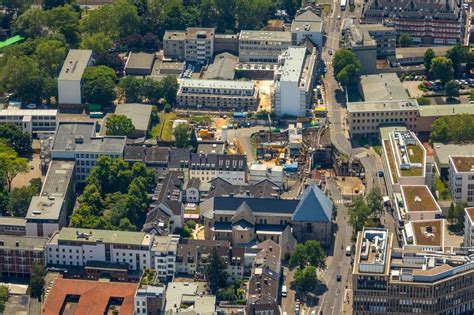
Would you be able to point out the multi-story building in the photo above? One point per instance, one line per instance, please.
(294, 81)
(461, 178)
(384, 36)
(192, 45)
(308, 25)
(149, 299)
(363, 45)
(49, 211)
(262, 46)
(226, 95)
(164, 256)
(261, 172)
(70, 77)
(469, 227)
(35, 121)
(206, 167)
(77, 247)
(12, 226)
(77, 141)
(388, 280)
(19, 253)
(428, 22)
(425, 234)
(416, 203)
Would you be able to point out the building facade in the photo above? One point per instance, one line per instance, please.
(18, 254)
(70, 77)
(192, 45)
(231, 168)
(461, 179)
(262, 46)
(33, 121)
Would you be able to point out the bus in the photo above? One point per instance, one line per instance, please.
(343, 5)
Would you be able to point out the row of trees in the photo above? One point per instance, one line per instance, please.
(453, 128)
(361, 209)
(135, 89)
(115, 197)
(307, 258)
(445, 67)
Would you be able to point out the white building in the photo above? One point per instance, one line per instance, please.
(164, 255)
(30, 120)
(307, 25)
(206, 167)
(262, 46)
(70, 77)
(469, 227)
(78, 141)
(416, 203)
(259, 172)
(294, 80)
(76, 247)
(461, 178)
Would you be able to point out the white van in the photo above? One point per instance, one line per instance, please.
(284, 291)
(348, 251)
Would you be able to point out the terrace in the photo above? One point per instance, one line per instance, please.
(428, 233)
(419, 199)
(408, 154)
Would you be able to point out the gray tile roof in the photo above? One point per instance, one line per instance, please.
(314, 206)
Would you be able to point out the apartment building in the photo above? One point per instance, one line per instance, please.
(417, 203)
(77, 247)
(18, 254)
(78, 141)
(231, 168)
(384, 36)
(149, 299)
(49, 211)
(469, 227)
(192, 45)
(35, 121)
(426, 234)
(294, 81)
(263, 46)
(461, 178)
(434, 22)
(164, 251)
(307, 24)
(409, 280)
(362, 44)
(224, 95)
(70, 77)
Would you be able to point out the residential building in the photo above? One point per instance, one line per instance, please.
(193, 45)
(89, 297)
(262, 46)
(242, 220)
(207, 147)
(442, 152)
(461, 178)
(78, 141)
(426, 234)
(308, 25)
(206, 167)
(163, 253)
(363, 45)
(223, 94)
(153, 156)
(49, 211)
(18, 254)
(183, 297)
(70, 77)
(192, 193)
(469, 227)
(384, 36)
(294, 81)
(406, 280)
(261, 172)
(12, 226)
(435, 22)
(139, 63)
(35, 121)
(77, 247)
(416, 203)
(140, 114)
(149, 299)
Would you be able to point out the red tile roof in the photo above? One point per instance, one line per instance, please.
(94, 296)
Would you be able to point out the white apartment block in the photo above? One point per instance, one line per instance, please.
(70, 77)
(30, 120)
(206, 167)
(461, 179)
(469, 227)
(164, 255)
(262, 46)
(307, 25)
(294, 80)
(218, 94)
(192, 45)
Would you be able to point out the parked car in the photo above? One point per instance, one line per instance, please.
(31, 106)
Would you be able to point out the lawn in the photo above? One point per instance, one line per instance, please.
(164, 129)
(415, 153)
(412, 172)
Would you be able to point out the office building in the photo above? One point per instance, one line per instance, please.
(224, 95)
(363, 45)
(35, 121)
(443, 151)
(70, 77)
(206, 167)
(173, 45)
(413, 279)
(78, 141)
(262, 46)
(49, 211)
(434, 22)
(18, 254)
(384, 36)
(308, 25)
(192, 45)
(12, 226)
(416, 203)
(461, 178)
(469, 227)
(294, 81)
(163, 252)
(426, 234)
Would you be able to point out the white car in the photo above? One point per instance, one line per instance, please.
(31, 106)
(338, 17)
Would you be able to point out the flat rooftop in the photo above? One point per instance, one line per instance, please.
(428, 232)
(307, 26)
(193, 32)
(12, 221)
(442, 151)
(105, 236)
(419, 199)
(463, 164)
(381, 87)
(293, 65)
(11, 111)
(274, 36)
(58, 178)
(383, 106)
(412, 52)
(45, 208)
(140, 60)
(140, 114)
(372, 251)
(24, 242)
(446, 110)
(75, 64)
(217, 84)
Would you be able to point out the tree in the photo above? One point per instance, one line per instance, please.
(451, 88)
(50, 55)
(423, 100)
(375, 201)
(429, 55)
(36, 184)
(4, 293)
(131, 88)
(457, 54)
(358, 214)
(305, 280)
(168, 87)
(99, 84)
(126, 225)
(11, 165)
(19, 200)
(459, 214)
(64, 20)
(451, 213)
(252, 13)
(31, 24)
(118, 125)
(16, 138)
(37, 280)
(453, 128)
(346, 66)
(405, 40)
(98, 42)
(181, 135)
(49, 4)
(442, 69)
(309, 253)
(215, 271)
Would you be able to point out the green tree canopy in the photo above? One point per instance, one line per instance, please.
(442, 69)
(98, 42)
(453, 128)
(11, 164)
(451, 88)
(50, 55)
(17, 139)
(405, 40)
(118, 125)
(181, 135)
(99, 85)
(458, 54)
(131, 88)
(305, 280)
(19, 200)
(346, 66)
(215, 271)
(37, 280)
(309, 253)
(375, 201)
(429, 55)
(4, 293)
(358, 213)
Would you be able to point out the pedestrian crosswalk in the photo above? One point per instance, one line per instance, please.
(339, 201)
(328, 63)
